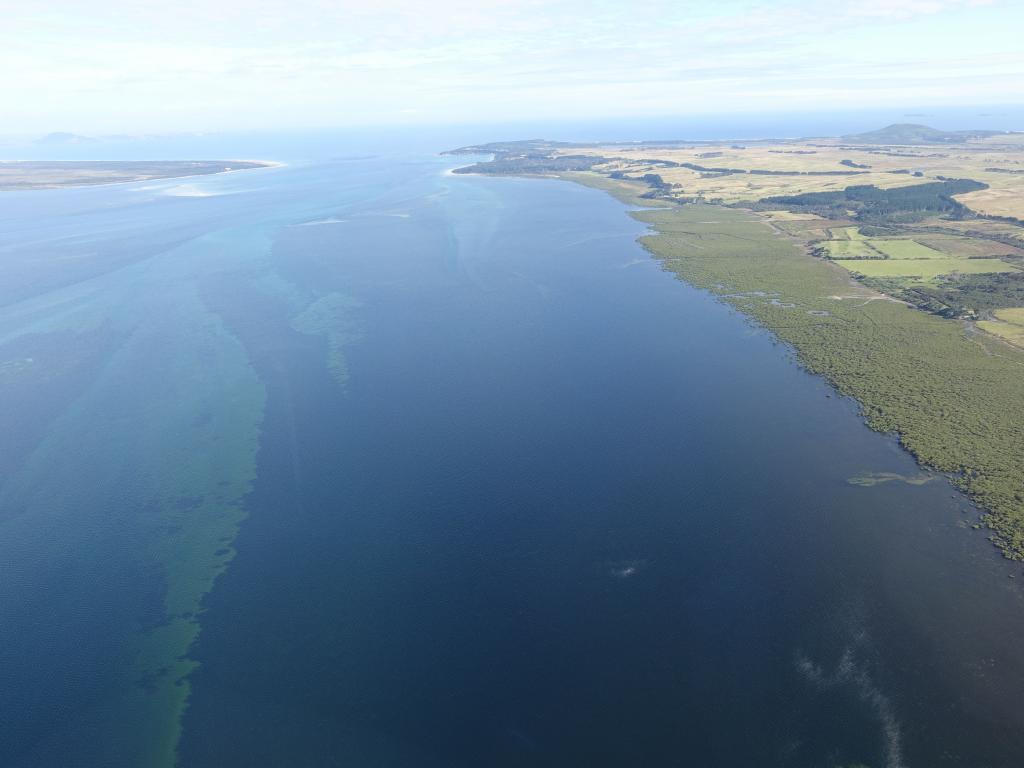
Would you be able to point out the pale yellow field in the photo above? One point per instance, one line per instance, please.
(792, 216)
(1009, 140)
(1005, 198)
(988, 228)
(889, 167)
(967, 246)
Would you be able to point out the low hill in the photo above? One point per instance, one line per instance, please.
(913, 133)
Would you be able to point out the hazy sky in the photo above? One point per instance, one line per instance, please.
(133, 65)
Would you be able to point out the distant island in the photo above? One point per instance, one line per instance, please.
(55, 174)
(892, 261)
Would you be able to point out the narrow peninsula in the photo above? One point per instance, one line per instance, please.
(53, 174)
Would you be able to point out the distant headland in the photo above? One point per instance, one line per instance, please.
(57, 174)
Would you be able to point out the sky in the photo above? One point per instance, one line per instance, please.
(124, 66)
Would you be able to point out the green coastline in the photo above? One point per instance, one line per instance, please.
(952, 397)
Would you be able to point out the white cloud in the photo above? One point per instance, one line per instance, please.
(114, 65)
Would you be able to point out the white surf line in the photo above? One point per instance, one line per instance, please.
(320, 222)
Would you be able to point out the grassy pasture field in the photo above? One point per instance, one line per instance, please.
(906, 249)
(1014, 315)
(849, 243)
(802, 228)
(924, 269)
(1009, 325)
(846, 233)
(850, 249)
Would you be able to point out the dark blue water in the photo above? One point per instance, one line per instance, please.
(498, 490)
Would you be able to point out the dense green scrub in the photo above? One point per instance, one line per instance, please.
(954, 399)
(959, 295)
(880, 205)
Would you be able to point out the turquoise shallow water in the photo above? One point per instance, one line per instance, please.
(356, 462)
